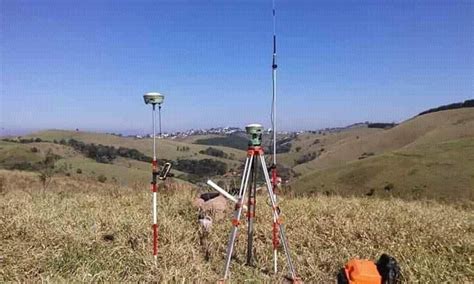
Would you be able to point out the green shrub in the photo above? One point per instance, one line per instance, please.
(306, 158)
(201, 168)
(102, 178)
(214, 152)
(389, 187)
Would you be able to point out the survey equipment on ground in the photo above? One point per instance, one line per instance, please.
(363, 271)
(154, 99)
(248, 185)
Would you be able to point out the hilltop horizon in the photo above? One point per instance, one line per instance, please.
(137, 132)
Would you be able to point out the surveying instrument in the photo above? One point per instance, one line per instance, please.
(249, 176)
(156, 99)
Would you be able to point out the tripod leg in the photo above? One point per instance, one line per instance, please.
(276, 243)
(277, 218)
(236, 219)
(251, 212)
(247, 162)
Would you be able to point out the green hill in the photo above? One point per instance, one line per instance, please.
(441, 171)
(17, 156)
(166, 148)
(428, 156)
(319, 144)
(128, 170)
(422, 130)
(236, 141)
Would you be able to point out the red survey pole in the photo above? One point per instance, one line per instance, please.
(154, 99)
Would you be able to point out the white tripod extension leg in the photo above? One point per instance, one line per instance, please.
(237, 215)
(223, 192)
(277, 217)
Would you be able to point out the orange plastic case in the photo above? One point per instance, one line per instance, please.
(362, 272)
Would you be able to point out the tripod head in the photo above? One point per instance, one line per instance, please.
(255, 132)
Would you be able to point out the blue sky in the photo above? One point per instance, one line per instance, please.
(86, 64)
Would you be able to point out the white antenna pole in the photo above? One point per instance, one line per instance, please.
(154, 131)
(274, 79)
(274, 129)
(159, 119)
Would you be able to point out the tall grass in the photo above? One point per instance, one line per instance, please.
(81, 230)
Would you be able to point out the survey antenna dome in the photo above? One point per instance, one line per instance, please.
(253, 128)
(153, 98)
(255, 131)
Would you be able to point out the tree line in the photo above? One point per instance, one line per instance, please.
(23, 140)
(382, 125)
(467, 103)
(201, 168)
(210, 151)
(233, 141)
(103, 153)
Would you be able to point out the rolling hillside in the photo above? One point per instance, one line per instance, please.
(166, 148)
(306, 144)
(427, 157)
(70, 162)
(128, 170)
(122, 170)
(426, 129)
(441, 171)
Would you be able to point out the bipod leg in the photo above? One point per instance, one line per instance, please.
(251, 212)
(236, 218)
(276, 215)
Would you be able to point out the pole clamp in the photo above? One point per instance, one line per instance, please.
(153, 187)
(250, 214)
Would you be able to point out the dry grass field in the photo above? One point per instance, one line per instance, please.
(79, 230)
